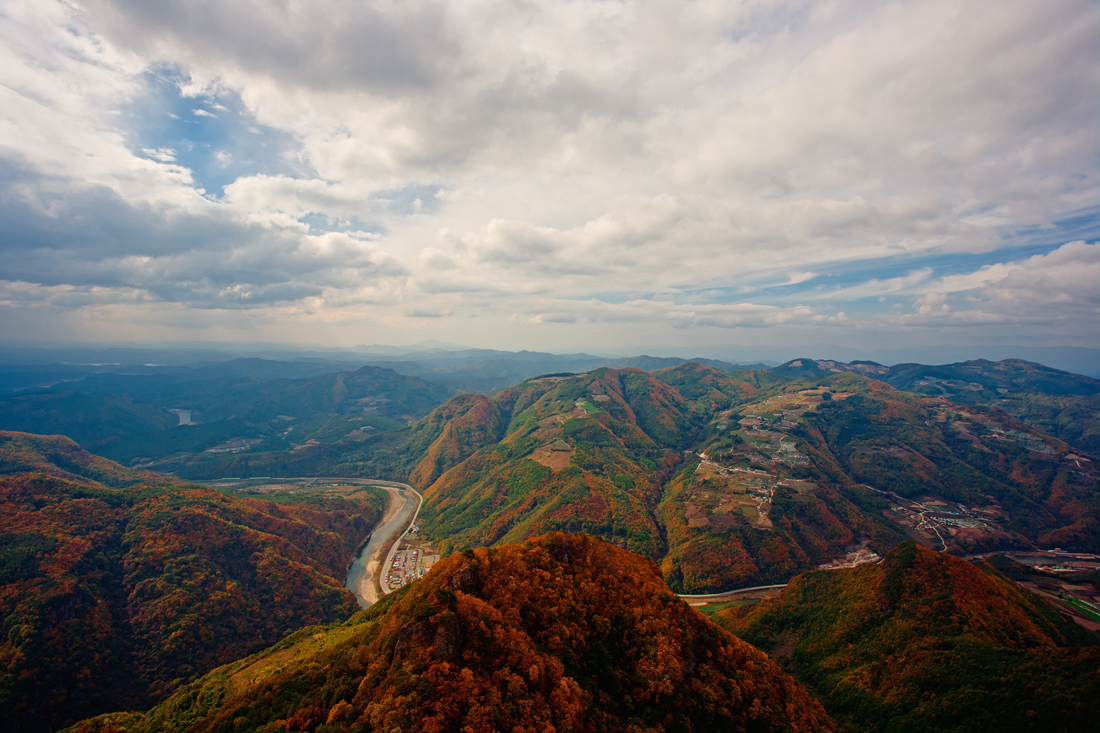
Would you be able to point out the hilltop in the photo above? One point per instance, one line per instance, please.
(926, 641)
(560, 633)
(116, 589)
(56, 455)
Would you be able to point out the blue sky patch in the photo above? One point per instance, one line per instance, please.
(1081, 224)
(214, 136)
(774, 287)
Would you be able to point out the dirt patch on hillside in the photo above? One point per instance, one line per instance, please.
(785, 645)
(709, 469)
(555, 459)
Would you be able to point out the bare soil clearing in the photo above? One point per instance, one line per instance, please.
(555, 459)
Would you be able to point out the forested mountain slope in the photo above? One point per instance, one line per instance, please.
(58, 456)
(926, 641)
(584, 453)
(726, 478)
(115, 589)
(1063, 404)
(743, 478)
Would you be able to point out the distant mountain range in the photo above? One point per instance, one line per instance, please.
(1077, 359)
(456, 368)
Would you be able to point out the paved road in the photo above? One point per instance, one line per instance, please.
(729, 593)
(360, 579)
(393, 548)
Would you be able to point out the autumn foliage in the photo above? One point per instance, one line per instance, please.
(113, 597)
(926, 641)
(564, 632)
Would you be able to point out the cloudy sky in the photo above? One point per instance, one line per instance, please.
(551, 175)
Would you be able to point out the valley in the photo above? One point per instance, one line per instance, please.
(120, 586)
(396, 554)
(390, 544)
(726, 478)
(764, 484)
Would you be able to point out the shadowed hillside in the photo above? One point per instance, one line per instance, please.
(128, 418)
(926, 641)
(112, 597)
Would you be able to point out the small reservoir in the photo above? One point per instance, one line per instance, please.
(184, 416)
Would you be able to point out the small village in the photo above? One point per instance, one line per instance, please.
(412, 558)
(726, 494)
(933, 522)
(236, 445)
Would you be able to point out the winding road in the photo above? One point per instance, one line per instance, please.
(360, 579)
(926, 523)
(725, 594)
(386, 590)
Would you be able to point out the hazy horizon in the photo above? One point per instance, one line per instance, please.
(1080, 360)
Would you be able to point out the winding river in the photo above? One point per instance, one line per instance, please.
(403, 501)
